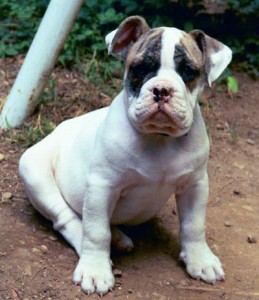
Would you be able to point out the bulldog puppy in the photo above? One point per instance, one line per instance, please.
(120, 164)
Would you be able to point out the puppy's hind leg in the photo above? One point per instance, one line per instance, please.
(45, 196)
(120, 240)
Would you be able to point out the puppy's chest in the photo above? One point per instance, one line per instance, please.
(162, 174)
(146, 193)
(167, 165)
(154, 177)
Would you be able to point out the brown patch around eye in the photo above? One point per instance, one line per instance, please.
(143, 60)
(149, 40)
(189, 61)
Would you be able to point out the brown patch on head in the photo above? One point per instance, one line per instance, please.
(189, 61)
(149, 42)
(143, 60)
(192, 50)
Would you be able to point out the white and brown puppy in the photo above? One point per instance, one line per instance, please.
(120, 164)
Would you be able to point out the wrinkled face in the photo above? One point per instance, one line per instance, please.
(163, 76)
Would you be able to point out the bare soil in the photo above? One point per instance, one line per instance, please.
(35, 261)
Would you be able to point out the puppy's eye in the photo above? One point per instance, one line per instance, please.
(141, 69)
(138, 70)
(188, 73)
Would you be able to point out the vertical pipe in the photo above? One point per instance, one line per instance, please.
(39, 62)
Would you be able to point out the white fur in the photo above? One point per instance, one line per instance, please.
(219, 62)
(170, 38)
(108, 40)
(98, 167)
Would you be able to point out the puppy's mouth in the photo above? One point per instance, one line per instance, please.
(163, 118)
(160, 120)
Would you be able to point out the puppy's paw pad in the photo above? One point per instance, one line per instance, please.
(206, 272)
(94, 276)
(205, 266)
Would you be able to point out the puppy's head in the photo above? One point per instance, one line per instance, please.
(165, 71)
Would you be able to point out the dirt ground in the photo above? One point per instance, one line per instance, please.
(36, 263)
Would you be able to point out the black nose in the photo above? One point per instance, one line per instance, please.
(161, 93)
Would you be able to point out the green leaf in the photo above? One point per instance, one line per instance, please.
(11, 51)
(232, 84)
(188, 26)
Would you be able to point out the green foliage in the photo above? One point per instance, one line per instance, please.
(87, 34)
(49, 93)
(29, 134)
(227, 79)
(233, 133)
(244, 7)
(236, 25)
(232, 84)
(19, 21)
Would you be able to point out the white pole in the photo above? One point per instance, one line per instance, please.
(39, 62)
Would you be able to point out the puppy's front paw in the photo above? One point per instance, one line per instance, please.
(94, 274)
(201, 263)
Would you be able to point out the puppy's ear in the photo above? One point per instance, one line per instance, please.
(120, 40)
(108, 40)
(216, 56)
